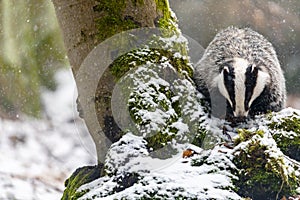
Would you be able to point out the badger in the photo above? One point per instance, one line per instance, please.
(240, 76)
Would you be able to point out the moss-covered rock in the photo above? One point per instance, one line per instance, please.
(245, 134)
(141, 56)
(125, 181)
(263, 170)
(164, 107)
(253, 166)
(287, 134)
(177, 181)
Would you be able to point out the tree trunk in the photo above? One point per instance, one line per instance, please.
(84, 25)
(77, 22)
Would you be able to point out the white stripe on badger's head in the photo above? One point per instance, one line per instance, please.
(219, 80)
(241, 82)
(240, 67)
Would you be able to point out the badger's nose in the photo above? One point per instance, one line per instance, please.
(240, 119)
(240, 116)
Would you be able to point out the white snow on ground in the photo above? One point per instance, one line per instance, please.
(36, 156)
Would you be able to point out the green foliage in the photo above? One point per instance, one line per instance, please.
(80, 177)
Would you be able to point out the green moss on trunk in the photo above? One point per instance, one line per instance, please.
(112, 21)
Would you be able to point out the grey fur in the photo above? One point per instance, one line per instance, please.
(249, 45)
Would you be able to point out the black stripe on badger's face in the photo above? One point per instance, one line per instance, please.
(256, 80)
(250, 83)
(228, 78)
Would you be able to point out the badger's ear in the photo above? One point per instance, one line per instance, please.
(225, 69)
(253, 69)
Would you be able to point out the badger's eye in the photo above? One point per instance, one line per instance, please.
(229, 77)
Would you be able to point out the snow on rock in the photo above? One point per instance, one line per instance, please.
(37, 155)
(209, 174)
(176, 179)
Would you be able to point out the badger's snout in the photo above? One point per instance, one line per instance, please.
(240, 119)
(240, 110)
(240, 114)
(235, 120)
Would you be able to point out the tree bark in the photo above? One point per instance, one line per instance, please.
(77, 22)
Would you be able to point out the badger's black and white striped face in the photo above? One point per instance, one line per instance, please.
(241, 82)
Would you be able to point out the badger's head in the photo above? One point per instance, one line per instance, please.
(241, 82)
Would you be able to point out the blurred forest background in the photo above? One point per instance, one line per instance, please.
(31, 50)
(31, 47)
